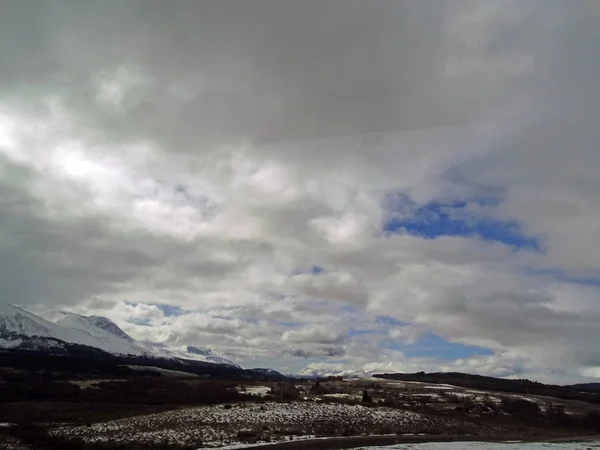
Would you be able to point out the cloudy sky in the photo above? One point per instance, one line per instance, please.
(401, 185)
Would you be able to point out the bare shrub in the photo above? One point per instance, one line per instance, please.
(520, 407)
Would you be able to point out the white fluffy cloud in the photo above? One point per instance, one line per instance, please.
(184, 172)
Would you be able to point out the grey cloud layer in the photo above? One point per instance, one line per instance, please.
(204, 155)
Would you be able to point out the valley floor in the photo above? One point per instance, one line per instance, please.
(285, 416)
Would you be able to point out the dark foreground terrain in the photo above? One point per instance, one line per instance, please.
(64, 405)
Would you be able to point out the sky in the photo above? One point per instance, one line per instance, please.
(386, 185)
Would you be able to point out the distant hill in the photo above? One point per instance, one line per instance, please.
(271, 373)
(521, 386)
(587, 387)
(74, 360)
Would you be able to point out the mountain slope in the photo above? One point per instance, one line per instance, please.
(103, 339)
(110, 326)
(186, 352)
(93, 325)
(269, 372)
(22, 327)
(209, 355)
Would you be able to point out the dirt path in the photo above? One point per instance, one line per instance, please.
(339, 443)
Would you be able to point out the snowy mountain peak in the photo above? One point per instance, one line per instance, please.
(7, 308)
(265, 371)
(104, 323)
(18, 325)
(210, 355)
(96, 336)
(17, 321)
(323, 372)
(110, 326)
(22, 329)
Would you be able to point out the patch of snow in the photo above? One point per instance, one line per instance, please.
(260, 391)
(462, 394)
(431, 395)
(529, 399)
(85, 384)
(432, 385)
(183, 352)
(339, 395)
(5, 343)
(165, 372)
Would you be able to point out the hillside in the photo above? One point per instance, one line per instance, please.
(587, 387)
(495, 384)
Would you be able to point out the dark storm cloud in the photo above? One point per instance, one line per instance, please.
(327, 352)
(262, 70)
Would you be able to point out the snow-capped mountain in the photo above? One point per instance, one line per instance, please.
(110, 326)
(18, 325)
(270, 372)
(22, 329)
(209, 355)
(103, 339)
(186, 352)
(320, 372)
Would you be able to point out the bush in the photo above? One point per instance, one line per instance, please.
(520, 407)
(248, 436)
(366, 398)
(591, 420)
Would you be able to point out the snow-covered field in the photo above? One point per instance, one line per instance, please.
(491, 446)
(445, 393)
(233, 424)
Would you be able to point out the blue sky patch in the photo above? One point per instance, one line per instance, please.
(313, 270)
(140, 322)
(430, 345)
(436, 346)
(389, 321)
(170, 310)
(451, 219)
(353, 333)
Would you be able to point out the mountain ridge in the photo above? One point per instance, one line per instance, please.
(21, 329)
(315, 372)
